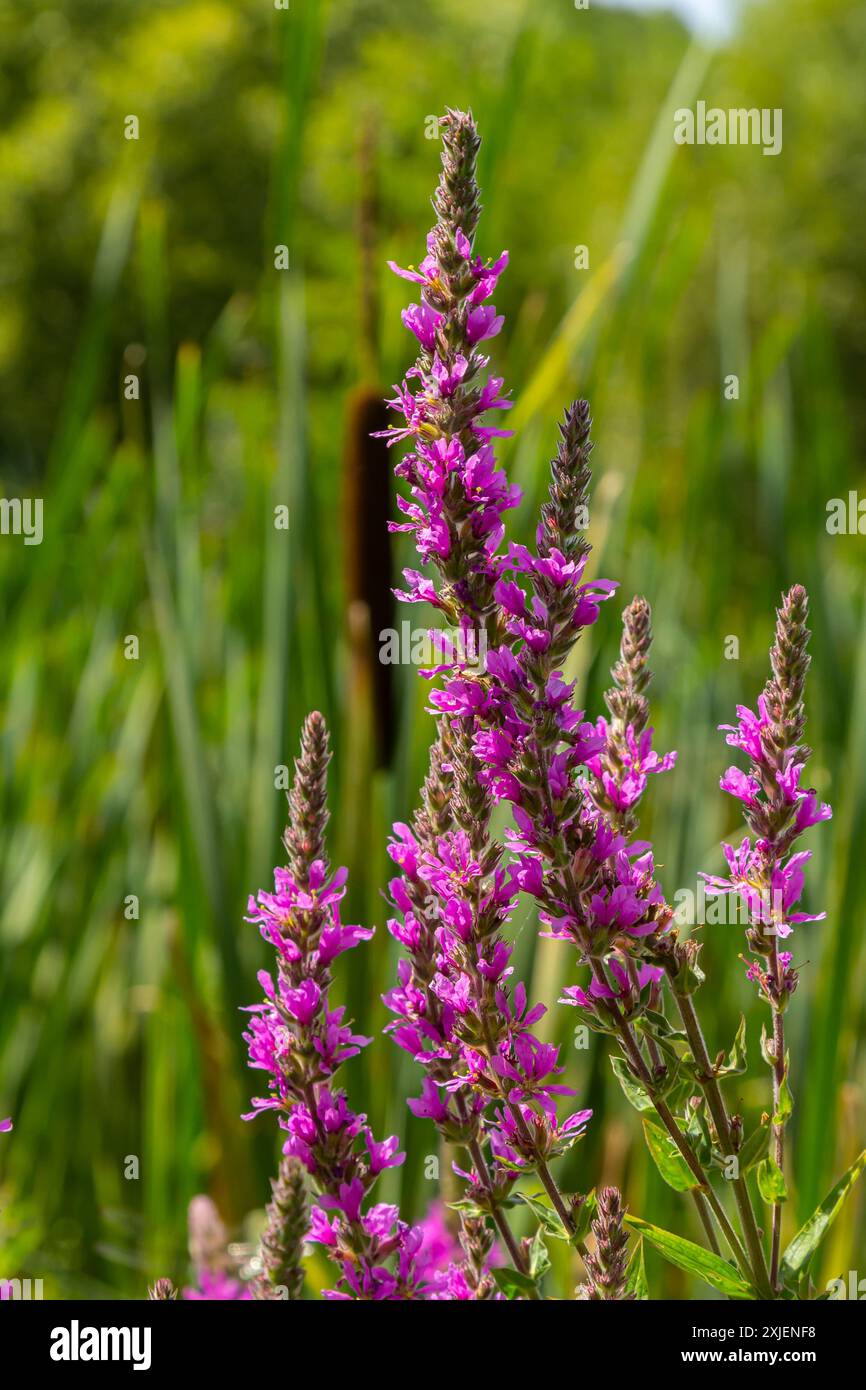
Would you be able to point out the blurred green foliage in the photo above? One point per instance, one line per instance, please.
(155, 777)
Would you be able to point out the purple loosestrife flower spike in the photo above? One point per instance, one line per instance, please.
(594, 888)
(301, 1042)
(458, 496)
(766, 874)
(606, 1268)
(455, 1010)
(777, 808)
(282, 1240)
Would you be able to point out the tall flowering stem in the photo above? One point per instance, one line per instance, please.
(300, 1042)
(459, 1015)
(766, 875)
(621, 772)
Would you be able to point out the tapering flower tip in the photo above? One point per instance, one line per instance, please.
(632, 674)
(456, 198)
(283, 1237)
(790, 662)
(304, 837)
(564, 516)
(606, 1268)
(161, 1291)
(476, 1238)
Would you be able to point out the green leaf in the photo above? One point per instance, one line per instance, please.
(694, 1260)
(584, 1216)
(668, 1159)
(658, 1021)
(548, 1218)
(512, 1283)
(673, 1045)
(634, 1092)
(539, 1260)
(636, 1282)
(593, 1022)
(771, 1182)
(737, 1059)
(697, 1130)
(767, 1052)
(809, 1236)
(786, 1100)
(471, 1208)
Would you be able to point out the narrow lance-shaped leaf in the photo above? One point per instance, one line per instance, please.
(634, 1092)
(636, 1280)
(668, 1159)
(737, 1057)
(694, 1260)
(786, 1101)
(809, 1237)
(771, 1181)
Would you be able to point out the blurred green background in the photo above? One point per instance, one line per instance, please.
(154, 776)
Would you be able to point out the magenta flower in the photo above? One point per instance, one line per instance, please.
(216, 1287)
(746, 789)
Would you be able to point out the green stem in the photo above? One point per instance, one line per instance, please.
(496, 1212)
(706, 1220)
(778, 1129)
(718, 1109)
(549, 1182)
(633, 1054)
(500, 1220)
